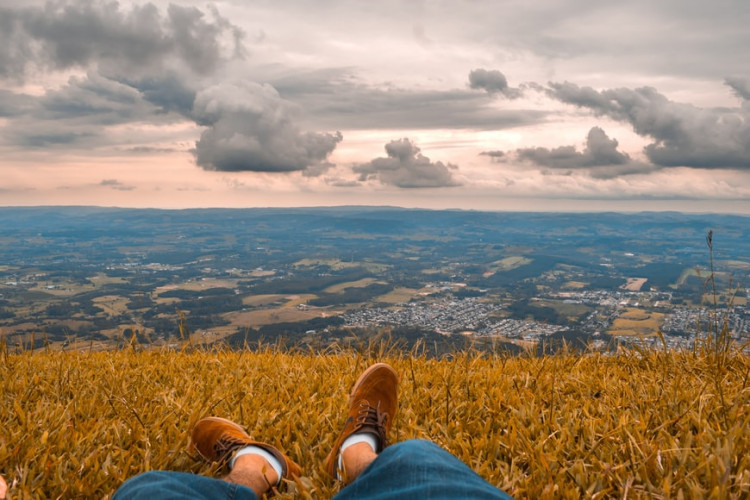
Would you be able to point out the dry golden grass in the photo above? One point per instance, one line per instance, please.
(636, 425)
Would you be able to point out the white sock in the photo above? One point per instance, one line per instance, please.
(257, 450)
(364, 437)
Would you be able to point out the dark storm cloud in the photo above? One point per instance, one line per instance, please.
(740, 86)
(683, 134)
(406, 167)
(600, 157)
(64, 35)
(251, 128)
(493, 82)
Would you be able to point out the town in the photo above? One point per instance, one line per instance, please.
(114, 276)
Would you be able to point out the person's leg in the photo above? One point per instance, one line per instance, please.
(357, 458)
(250, 477)
(373, 403)
(413, 469)
(171, 485)
(255, 468)
(418, 469)
(258, 466)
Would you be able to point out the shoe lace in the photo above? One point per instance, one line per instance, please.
(371, 417)
(224, 446)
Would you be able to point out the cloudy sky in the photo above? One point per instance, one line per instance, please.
(474, 104)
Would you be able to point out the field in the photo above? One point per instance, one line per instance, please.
(571, 310)
(634, 284)
(506, 264)
(399, 295)
(635, 321)
(636, 424)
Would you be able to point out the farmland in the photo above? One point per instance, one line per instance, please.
(75, 275)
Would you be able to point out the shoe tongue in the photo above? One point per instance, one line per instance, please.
(378, 432)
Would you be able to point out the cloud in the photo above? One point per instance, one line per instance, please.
(44, 139)
(406, 167)
(600, 157)
(100, 100)
(493, 82)
(142, 64)
(495, 156)
(684, 135)
(115, 184)
(168, 92)
(251, 128)
(14, 104)
(67, 34)
(337, 99)
(77, 114)
(740, 86)
(149, 150)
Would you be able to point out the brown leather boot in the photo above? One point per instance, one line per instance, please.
(372, 407)
(217, 439)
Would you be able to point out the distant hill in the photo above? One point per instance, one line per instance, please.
(94, 273)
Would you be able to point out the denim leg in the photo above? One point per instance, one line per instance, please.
(418, 469)
(170, 485)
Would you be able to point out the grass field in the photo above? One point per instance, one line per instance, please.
(572, 311)
(260, 317)
(636, 321)
(635, 425)
(506, 264)
(340, 287)
(573, 285)
(112, 305)
(334, 264)
(398, 295)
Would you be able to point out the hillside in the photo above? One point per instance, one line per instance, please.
(315, 275)
(641, 424)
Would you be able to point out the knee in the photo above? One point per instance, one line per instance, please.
(413, 447)
(144, 484)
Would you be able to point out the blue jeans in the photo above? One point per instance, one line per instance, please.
(411, 469)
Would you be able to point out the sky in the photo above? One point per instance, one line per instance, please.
(553, 105)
